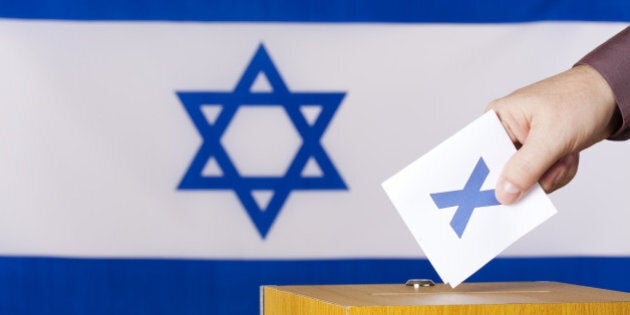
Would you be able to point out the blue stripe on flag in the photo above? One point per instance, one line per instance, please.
(456, 11)
(151, 286)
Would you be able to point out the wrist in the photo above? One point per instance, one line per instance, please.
(601, 98)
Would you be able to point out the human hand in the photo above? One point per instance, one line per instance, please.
(550, 122)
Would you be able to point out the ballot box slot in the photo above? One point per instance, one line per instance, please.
(452, 293)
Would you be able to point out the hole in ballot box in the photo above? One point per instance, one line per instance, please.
(469, 289)
(470, 293)
(455, 292)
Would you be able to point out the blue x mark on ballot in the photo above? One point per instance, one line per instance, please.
(467, 199)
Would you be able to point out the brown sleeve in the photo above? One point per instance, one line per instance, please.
(612, 60)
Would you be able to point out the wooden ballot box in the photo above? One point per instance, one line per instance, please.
(468, 298)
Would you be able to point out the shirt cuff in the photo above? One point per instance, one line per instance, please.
(612, 60)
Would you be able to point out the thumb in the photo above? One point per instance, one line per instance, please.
(526, 167)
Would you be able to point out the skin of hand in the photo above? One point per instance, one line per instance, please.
(550, 122)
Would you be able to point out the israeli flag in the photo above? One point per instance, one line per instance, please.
(169, 158)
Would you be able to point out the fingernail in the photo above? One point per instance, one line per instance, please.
(509, 192)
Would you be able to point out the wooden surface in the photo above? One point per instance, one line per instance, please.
(468, 298)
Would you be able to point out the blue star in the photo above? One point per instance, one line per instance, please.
(243, 186)
(467, 199)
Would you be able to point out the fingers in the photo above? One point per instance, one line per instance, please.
(557, 176)
(528, 165)
(560, 173)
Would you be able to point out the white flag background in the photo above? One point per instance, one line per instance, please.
(94, 142)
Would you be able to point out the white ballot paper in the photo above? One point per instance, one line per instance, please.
(446, 198)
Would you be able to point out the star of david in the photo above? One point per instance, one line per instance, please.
(467, 199)
(244, 186)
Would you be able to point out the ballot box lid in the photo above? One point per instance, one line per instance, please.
(523, 298)
(466, 293)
